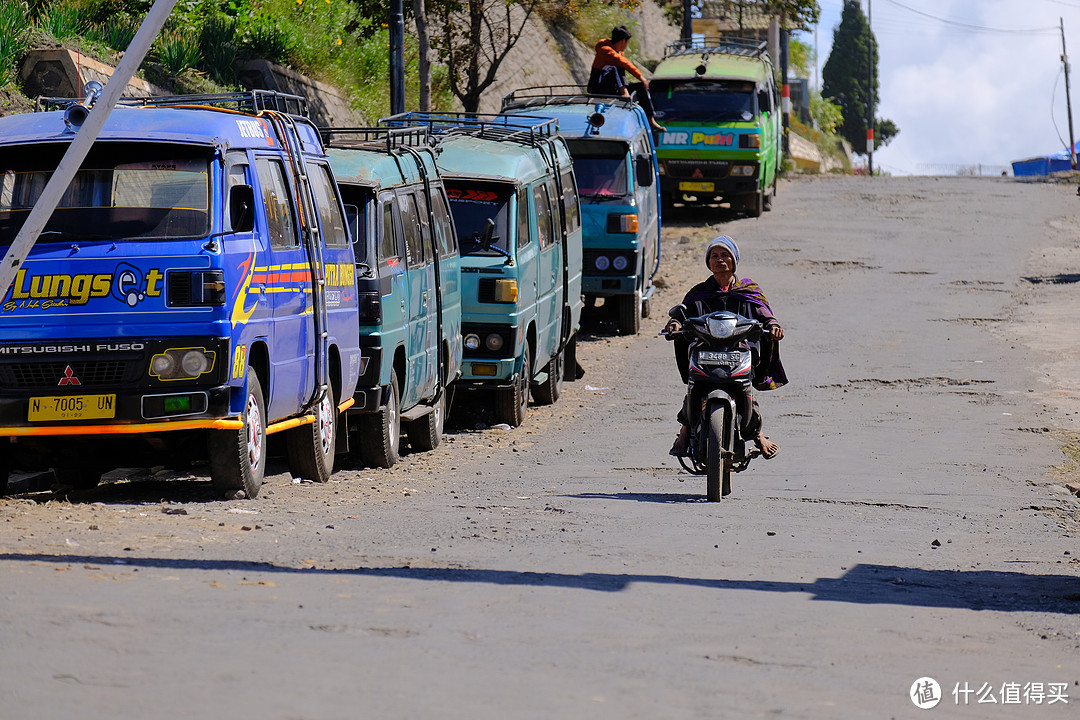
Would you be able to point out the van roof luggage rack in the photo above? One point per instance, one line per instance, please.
(377, 138)
(252, 102)
(558, 94)
(717, 46)
(529, 129)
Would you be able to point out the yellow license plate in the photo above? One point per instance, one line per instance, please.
(72, 407)
(696, 187)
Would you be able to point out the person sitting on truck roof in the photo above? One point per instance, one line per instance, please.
(609, 68)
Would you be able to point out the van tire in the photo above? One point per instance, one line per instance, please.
(238, 457)
(570, 364)
(769, 197)
(628, 313)
(5, 465)
(311, 448)
(511, 404)
(380, 431)
(80, 477)
(548, 392)
(754, 204)
(426, 433)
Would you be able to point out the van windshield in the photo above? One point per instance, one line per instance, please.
(600, 168)
(472, 204)
(703, 100)
(144, 191)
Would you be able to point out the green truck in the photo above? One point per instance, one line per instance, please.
(717, 97)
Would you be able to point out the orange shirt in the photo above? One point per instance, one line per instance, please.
(608, 55)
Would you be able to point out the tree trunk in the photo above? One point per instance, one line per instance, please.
(423, 64)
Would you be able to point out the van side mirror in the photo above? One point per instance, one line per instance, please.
(242, 208)
(764, 101)
(643, 168)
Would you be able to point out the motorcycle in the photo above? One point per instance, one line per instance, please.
(719, 385)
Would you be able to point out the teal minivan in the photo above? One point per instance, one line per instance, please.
(513, 197)
(408, 278)
(615, 167)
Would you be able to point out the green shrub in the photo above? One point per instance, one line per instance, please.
(63, 21)
(116, 33)
(176, 51)
(217, 39)
(14, 23)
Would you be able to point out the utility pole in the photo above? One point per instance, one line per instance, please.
(1068, 101)
(98, 110)
(397, 57)
(687, 21)
(870, 87)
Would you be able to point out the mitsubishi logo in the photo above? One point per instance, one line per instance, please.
(69, 377)
(697, 174)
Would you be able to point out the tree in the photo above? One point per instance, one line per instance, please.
(474, 38)
(845, 79)
(423, 64)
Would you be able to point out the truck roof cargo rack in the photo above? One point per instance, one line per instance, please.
(253, 101)
(377, 138)
(717, 46)
(528, 129)
(558, 95)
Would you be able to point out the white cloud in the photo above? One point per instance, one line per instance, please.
(962, 96)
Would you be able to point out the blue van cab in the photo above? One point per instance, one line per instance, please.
(409, 283)
(615, 166)
(192, 293)
(510, 182)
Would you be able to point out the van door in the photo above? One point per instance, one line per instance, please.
(550, 289)
(285, 278)
(420, 307)
(432, 331)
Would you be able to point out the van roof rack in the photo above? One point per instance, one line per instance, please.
(558, 95)
(377, 138)
(746, 47)
(528, 129)
(252, 102)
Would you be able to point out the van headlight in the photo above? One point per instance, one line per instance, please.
(182, 363)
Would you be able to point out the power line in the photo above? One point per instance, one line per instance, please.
(978, 28)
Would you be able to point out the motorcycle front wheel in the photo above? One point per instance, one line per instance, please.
(717, 461)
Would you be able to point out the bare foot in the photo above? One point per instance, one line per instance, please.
(660, 128)
(767, 447)
(680, 446)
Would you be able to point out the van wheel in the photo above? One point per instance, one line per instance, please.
(426, 433)
(753, 205)
(549, 391)
(628, 313)
(238, 457)
(310, 448)
(570, 366)
(511, 404)
(380, 432)
(5, 465)
(768, 200)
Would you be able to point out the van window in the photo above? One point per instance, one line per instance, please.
(424, 217)
(558, 227)
(410, 225)
(703, 100)
(331, 222)
(389, 248)
(280, 220)
(444, 226)
(543, 215)
(600, 168)
(524, 226)
(571, 211)
(472, 204)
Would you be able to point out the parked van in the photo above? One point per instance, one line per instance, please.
(192, 293)
(615, 167)
(510, 181)
(717, 98)
(409, 282)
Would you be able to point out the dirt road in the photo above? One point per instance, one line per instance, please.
(915, 524)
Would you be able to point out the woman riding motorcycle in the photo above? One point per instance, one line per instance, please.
(724, 291)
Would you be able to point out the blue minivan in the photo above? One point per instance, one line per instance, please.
(409, 283)
(615, 165)
(510, 181)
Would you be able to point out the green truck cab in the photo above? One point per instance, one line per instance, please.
(717, 98)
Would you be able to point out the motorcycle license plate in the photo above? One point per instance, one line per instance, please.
(711, 357)
(72, 407)
(696, 187)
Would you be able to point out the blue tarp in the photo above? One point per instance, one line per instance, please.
(1058, 162)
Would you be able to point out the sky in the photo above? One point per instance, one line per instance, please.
(969, 83)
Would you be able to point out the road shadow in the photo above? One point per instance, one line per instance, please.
(862, 585)
(650, 497)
